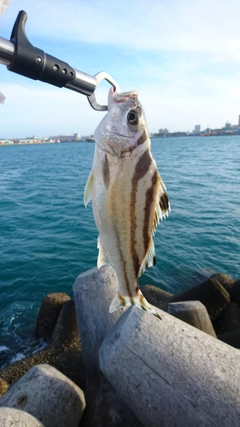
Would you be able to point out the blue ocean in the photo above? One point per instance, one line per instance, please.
(47, 237)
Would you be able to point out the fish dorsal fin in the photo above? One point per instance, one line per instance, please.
(88, 189)
(102, 256)
(149, 260)
(161, 211)
(162, 203)
(162, 207)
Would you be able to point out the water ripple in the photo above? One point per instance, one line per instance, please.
(48, 237)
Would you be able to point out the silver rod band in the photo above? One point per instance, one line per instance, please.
(6, 51)
(83, 83)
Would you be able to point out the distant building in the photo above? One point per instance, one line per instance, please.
(228, 126)
(197, 129)
(66, 138)
(163, 132)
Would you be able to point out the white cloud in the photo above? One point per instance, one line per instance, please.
(45, 111)
(182, 56)
(173, 25)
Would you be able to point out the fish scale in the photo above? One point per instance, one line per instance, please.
(128, 196)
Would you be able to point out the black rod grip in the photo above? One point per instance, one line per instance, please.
(29, 61)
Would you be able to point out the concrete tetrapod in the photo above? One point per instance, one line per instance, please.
(48, 395)
(11, 417)
(94, 291)
(170, 373)
(194, 313)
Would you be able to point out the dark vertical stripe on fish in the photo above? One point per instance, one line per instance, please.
(106, 173)
(114, 208)
(147, 210)
(142, 138)
(141, 169)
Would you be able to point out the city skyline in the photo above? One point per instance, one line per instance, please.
(195, 129)
(75, 136)
(176, 54)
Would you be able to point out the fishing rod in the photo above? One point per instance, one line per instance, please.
(21, 57)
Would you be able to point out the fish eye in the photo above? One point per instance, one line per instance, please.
(132, 117)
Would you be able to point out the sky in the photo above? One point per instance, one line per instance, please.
(182, 56)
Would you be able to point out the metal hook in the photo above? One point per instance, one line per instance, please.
(99, 78)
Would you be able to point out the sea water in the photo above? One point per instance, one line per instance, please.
(47, 237)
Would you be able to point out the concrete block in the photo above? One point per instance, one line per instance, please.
(235, 292)
(210, 293)
(94, 291)
(48, 314)
(229, 319)
(231, 338)
(10, 417)
(3, 386)
(155, 296)
(63, 352)
(224, 280)
(194, 313)
(170, 373)
(48, 395)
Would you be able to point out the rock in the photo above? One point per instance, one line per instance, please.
(10, 417)
(94, 291)
(194, 313)
(48, 395)
(229, 319)
(48, 314)
(170, 373)
(210, 293)
(224, 280)
(231, 338)
(235, 292)
(63, 352)
(4, 386)
(155, 296)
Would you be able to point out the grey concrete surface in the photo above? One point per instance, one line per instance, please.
(210, 293)
(170, 373)
(94, 291)
(10, 417)
(48, 395)
(194, 313)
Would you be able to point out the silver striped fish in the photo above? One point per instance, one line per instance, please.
(128, 196)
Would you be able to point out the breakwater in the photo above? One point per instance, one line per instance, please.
(135, 369)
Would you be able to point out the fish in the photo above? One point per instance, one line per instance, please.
(128, 196)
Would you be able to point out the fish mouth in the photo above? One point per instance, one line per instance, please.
(125, 96)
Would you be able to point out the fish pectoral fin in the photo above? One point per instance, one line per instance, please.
(102, 256)
(88, 189)
(149, 260)
(162, 208)
(138, 300)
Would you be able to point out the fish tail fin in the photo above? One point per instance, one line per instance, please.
(138, 300)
